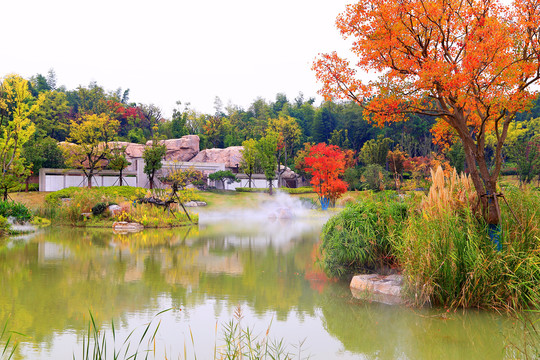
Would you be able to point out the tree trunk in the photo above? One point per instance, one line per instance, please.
(270, 187)
(484, 184)
(121, 178)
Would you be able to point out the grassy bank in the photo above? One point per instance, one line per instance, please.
(102, 206)
(443, 249)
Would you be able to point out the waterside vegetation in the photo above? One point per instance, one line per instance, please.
(442, 246)
(92, 207)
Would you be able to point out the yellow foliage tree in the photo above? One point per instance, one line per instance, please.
(91, 135)
(16, 129)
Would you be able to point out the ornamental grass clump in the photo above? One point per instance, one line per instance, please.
(448, 258)
(453, 193)
(361, 238)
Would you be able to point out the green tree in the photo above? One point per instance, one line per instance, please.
(52, 115)
(86, 100)
(178, 122)
(249, 163)
(16, 129)
(43, 153)
(289, 134)
(223, 176)
(456, 156)
(340, 138)
(214, 129)
(525, 152)
(266, 149)
(118, 161)
(153, 156)
(323, 124)
(91, 135)
(375, 151)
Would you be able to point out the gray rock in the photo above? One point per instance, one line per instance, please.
(231, 156)
(114, 209)
(194, 203)
(123, 227)
(183, 149)
(374, 287)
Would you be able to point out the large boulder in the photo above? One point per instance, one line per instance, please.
(183, 149)
(288, 174)
(379, 288)
(231, 156)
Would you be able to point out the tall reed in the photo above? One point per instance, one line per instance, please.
(239, 342)
(449, 259)
(7, 351)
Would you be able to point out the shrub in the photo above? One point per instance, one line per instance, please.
(153, 216)
(373, 177)
(352, 177)
(22, 187)
(99, 208)
(251, 190)
(111, 192)
(17, 210)
(5, 227)
(299, 190)
(361, 237)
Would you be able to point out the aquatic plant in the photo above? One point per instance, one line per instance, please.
(97, 345)
(242, 343)
(10, 343)
(238, 343)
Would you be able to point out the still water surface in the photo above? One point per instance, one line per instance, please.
(266, 267)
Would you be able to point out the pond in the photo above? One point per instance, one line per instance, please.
(238, 260)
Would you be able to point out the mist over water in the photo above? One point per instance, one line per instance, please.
(280, 206)
(276, 220)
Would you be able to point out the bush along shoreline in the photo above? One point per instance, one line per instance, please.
(442, 247)
(103, 206)
(16, 218)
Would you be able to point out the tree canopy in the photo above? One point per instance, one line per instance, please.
(471, 64)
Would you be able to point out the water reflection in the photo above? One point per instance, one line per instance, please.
(49, 284)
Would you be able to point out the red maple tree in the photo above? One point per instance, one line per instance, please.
(326, 163)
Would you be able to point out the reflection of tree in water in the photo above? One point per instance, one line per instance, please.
(50, 284)
(389, 332)
(271, 279)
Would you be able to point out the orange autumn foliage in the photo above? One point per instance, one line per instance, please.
(326, 163)
(472, 64)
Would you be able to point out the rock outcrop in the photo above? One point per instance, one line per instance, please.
(231, 156)
(183, 149)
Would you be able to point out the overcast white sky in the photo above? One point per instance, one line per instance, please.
(169, 50)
